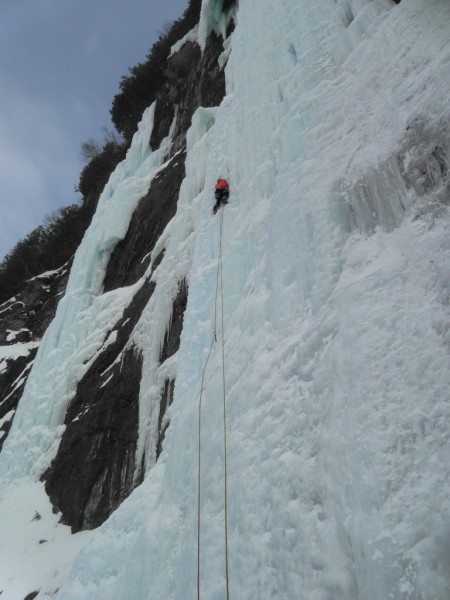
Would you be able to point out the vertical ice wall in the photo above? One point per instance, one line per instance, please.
(335, 339)
(83, 317)
(336, 301)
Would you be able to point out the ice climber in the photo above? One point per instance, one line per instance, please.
(221, 193)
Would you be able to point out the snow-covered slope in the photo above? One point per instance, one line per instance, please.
(331, 265)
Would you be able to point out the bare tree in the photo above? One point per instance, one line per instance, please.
(111, 136)
(90, 149)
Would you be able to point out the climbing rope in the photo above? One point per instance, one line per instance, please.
(224, 416)
(214, 338)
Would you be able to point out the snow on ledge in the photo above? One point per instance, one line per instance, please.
(16, 351)
(13, 334)
(47, 274)
(191, 36)
(13, 352)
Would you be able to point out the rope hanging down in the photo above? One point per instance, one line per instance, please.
(214, 338)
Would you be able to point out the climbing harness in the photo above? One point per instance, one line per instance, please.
(219, 277)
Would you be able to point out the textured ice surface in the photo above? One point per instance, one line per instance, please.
(336, 260)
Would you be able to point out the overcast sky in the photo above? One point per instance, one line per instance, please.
(61, 62)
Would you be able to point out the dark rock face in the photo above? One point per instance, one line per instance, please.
(95, 468)
(31, 311)
(23, 320)
(12, 382)
(130, 258)
(205, 86)
(95, 465)
(192, 80)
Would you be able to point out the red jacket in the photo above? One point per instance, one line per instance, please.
(221, 184)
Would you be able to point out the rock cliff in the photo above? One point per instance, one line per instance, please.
(94, 468)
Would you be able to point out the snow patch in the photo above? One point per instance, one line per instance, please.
(13, 334)
(14, 351)
(9, 415)
(191, 36)
(36, 552)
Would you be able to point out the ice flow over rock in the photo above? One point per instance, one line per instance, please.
(336, 263)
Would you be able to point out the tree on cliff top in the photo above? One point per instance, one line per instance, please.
(139, 89)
